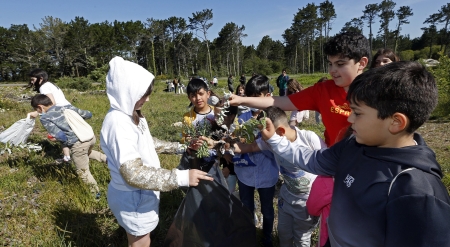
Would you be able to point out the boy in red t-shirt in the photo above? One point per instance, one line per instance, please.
(348, 55)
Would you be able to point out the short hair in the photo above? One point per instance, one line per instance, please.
(257, 85)
(277, 116)
(195, 85)
(40, 99)
(404, 87)
(40, 74)
(293, 86)
(348, 44)
(385, 52)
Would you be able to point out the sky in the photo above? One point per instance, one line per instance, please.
(260, 18)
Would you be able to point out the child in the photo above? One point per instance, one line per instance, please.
(388, 189)
(39, 82)
(198, 93)
(383, 57)
(293, 86)
(55, 123)
(136, 176)
(348, 55)
(240, 90)
(295, 225)
(258, 170)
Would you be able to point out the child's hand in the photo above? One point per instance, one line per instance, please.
(51, 138)
(195, 176)
(34, 114)
(235, 100)
(269, 131)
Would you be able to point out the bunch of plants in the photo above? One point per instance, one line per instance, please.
(224, 138)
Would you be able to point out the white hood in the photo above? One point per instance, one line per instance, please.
(126, 83)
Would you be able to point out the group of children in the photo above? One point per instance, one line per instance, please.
(387, 182)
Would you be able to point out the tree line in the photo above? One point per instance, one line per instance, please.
(183, 47)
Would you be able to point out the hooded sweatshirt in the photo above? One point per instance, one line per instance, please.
(415, 212)
(130, 150)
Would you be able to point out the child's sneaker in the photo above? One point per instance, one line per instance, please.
(64, 160)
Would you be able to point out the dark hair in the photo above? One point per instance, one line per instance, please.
(195, 85)
(348, 44)
(137, 113)
(40, 74)
(277, 116)
(239, 87)
(293, 86)
(40, 99)
(385, 52)
(257, 85)
(404, 87)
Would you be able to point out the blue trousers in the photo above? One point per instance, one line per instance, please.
(247, 195)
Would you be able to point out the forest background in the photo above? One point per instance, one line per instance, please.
(183, 47)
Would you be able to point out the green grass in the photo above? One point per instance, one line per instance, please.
(44, 204)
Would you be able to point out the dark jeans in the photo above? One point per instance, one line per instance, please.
(247, 195)
(282, 91)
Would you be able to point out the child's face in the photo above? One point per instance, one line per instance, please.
(199, 99)
(33, 80)
(381, 61)
(241, 92)
(344, 70)
(367, 127)
(141, 102)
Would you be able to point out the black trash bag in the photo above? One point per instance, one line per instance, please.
(209, 216)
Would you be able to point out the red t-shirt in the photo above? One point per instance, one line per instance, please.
(330, 100)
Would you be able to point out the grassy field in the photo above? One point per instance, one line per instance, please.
(45, 204)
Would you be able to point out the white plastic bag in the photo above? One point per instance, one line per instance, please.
(19, 132)
(80, 127)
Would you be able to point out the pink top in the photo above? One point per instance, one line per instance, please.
(319, 203)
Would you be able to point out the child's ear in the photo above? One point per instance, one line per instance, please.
(399, 123)
(281, 131)
(267, 95)
(363, 63)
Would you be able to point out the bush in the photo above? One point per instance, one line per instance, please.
(407, 55)
(99, 74)
(78, 83)
(442, 75)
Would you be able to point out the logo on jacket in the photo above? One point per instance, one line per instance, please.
(349, 180)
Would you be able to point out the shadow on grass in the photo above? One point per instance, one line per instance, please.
(88, 229)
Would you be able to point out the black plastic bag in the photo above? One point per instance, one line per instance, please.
(209, 216)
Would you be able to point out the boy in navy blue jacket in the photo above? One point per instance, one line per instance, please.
(388, 189)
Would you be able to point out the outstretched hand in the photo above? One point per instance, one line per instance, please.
(235, 100)
(269, 131)
(195, 176)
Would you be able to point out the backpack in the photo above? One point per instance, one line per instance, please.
(80, 127)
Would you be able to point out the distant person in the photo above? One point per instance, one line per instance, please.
(293, 86)
(175, 84)
(55, 122)
(136, 174)
(230, 83)
(215, 82)
(242, 80)
(282, 81)
(383, 57)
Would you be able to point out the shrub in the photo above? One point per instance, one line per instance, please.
(78, 83)
(407, 55)
(99, 74)
(442, 75)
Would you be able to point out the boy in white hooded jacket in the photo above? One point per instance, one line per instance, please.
(136, 175)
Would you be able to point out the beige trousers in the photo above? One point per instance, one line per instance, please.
(81, 153)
